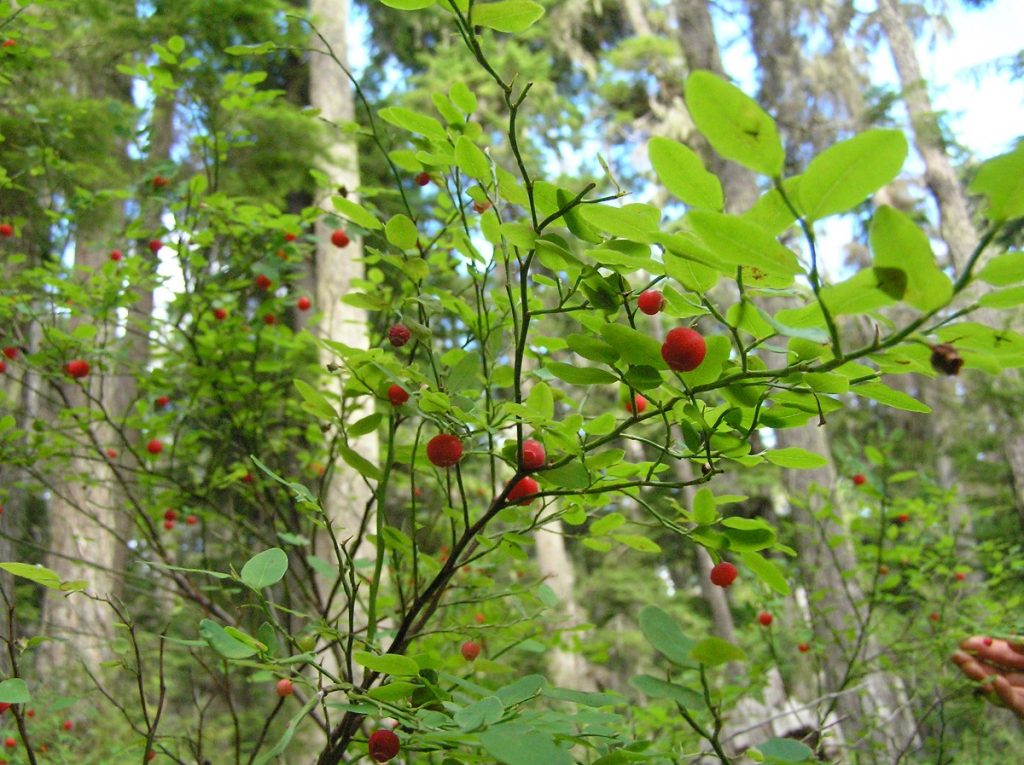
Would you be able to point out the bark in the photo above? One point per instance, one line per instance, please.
(1013, 448)
(347, 497)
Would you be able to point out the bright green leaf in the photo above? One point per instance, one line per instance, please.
(265, 568)
(683, 173)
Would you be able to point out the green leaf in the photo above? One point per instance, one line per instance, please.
(401, 232)
(704, 510)
(515, 743)
(414, 122)
(664, 634)
(14, 691)
(1004, 269)
(899, 244)
(633, 346)
(471, 160)
(607, 523)
(786, 750)
(738, 242)
(713, 651)
(593, 348)
(795, 457)
(356, 213)
(843, 176)
(656, 688)
(38, 574)
(1003, 298)
(462, 96)
(580, 375)
(223, 643)
(766, 571)
(507, 15)
(637, 542)
(265, 568)
(388, 663)
(635, 222)
(735, 126)
(366, 425)
(362, 465)
(541, 402)
(481, 714)
(408, 5)
(317, 402)
(683, 173)
(176, 45)
(1001, 179)
(393, 691)
(897, 399)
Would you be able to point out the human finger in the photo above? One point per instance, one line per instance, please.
(1011, 696)
(998, 652)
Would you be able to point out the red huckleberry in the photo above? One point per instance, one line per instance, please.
(263, 282)
(803, 648)
(339, 238)
(116, 255)
(11, 352)
(397, 395)
(723, 574)
(639, 407)
(423, 179)
(383, 745)
(285, 687)
(155, 446)
(399, 335)
(859, 479)
(191, 520)
(6, 230)
(444, 450)
(470, 650)
(533, 455)
(155, 245)
(650, 302)
(303, 303)
(684, 349)
(765, 619)
(524, 487)
(77, 368)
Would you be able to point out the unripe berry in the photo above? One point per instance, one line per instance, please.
(524, 487)
(383, 745)
(155, 446)
(470, 650)
(934, 616)
(159, 181)
(399, 335)
(765, 618)
(303, 303)
(339, 238)
(639, 407)
(684, 349)
(723, 574)
(397, 395)
(650, 302)
(77, 368)
(285, 687)
(533, 456)
(859, 479)
(444, 450)
(481, 206)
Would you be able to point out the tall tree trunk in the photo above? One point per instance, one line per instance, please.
(348, 496)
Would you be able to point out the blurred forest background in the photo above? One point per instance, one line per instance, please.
(117, 116)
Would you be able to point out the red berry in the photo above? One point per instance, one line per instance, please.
(69, 724)
(159, 181)
(684, 349)
(481, 206)
(423, 179)
(9, 43)
(525, 487)
(383, 745)
(162, 401)
(339, 238)
(247, 478)
(290, 237)
(112, 453)
(10, 743)
(170, 514)
(641, 405)
(31, 713)
(803, 648)
(191, 520)
(883, 569)
(6, 229)
(987, 641)
(4, 706)
(934, 616)
(723, 574)
(399, 335)
(116, 255)
(533, 456)
(269, 319)
(150, 755)
(220, 314)
(650, 302)
(960, 576)
(77, 368)
(764, 618)
(397, 395)
(480, 618)
(263, 282)
(285, 687)
(169, 525)
(11, 352)
(155, 245)
(303, 303)
(902, 518)
(859, 479)
(444, 450)
(470, 650)
(155, 446)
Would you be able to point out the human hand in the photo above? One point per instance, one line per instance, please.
(999, 664)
